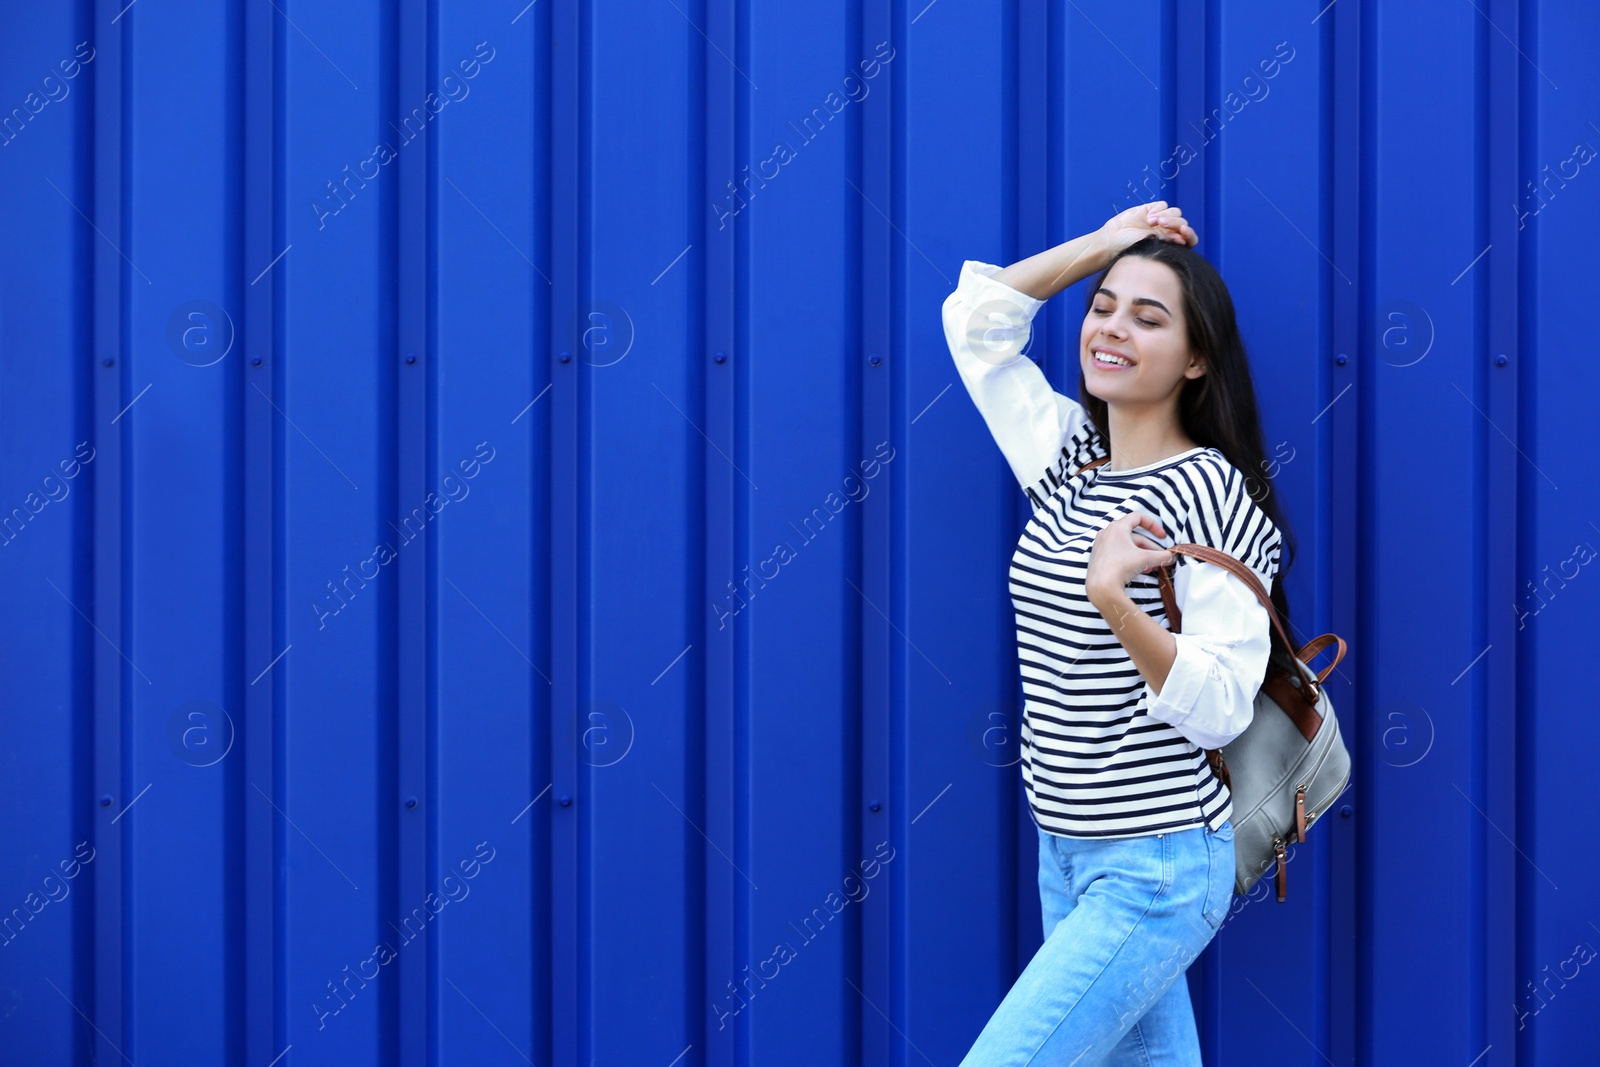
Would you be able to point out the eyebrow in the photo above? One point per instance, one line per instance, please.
(1136, 300)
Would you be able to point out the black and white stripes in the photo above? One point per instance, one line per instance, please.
(1095, 762)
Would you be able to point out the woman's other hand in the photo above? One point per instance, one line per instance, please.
(1118, 554)
(1137, 223)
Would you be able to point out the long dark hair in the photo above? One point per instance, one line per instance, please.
(1217, 409)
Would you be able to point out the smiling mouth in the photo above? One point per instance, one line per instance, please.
(1103, 359)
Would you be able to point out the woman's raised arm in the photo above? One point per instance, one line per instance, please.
(1044, 275)
(987, 324)
(989, 318)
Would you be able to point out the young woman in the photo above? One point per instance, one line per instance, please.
(1136, 863)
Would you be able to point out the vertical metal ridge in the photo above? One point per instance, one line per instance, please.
(1341, 48)
(426, 409)
(110, 794)
(265, 1013)
(697, 518)
(567, 219)
(1361, 31)
(85, 815)
(411, 805)
(235, 675)
(1526, 906)
(1192, 72)
(1495, 758)
(878, 368)
(733, 414)
(1484, 564)
(725, 912)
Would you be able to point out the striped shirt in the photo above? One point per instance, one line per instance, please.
(1102, 754)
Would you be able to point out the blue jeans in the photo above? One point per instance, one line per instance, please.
(1123, 919)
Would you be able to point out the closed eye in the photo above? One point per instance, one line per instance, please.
(1142, 322)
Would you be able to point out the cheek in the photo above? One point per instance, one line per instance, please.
(1173, 353)
(1085, 336)
(1170, 365)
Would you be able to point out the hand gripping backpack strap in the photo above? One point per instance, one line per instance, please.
(1307, 724)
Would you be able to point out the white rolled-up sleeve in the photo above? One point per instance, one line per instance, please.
(987, 325)
(1209, 694)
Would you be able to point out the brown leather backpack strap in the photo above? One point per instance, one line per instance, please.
(1284, 693)
(1314, 647)
(1248, 576)
(1219, 766)
(1169, 598)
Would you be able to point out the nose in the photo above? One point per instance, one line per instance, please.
(1112, 326)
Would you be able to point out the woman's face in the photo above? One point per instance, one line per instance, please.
(1137, 314)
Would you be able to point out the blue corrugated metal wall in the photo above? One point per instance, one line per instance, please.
(494, 545)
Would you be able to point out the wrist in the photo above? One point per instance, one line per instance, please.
(1103, 595)
(1097, 250)
(1084, 255)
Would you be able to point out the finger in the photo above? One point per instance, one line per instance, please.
(1148, 546)
(1144, 518)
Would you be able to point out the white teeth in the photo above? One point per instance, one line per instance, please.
(1106, 357)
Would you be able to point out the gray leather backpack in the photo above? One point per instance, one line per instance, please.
(1290, 764)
